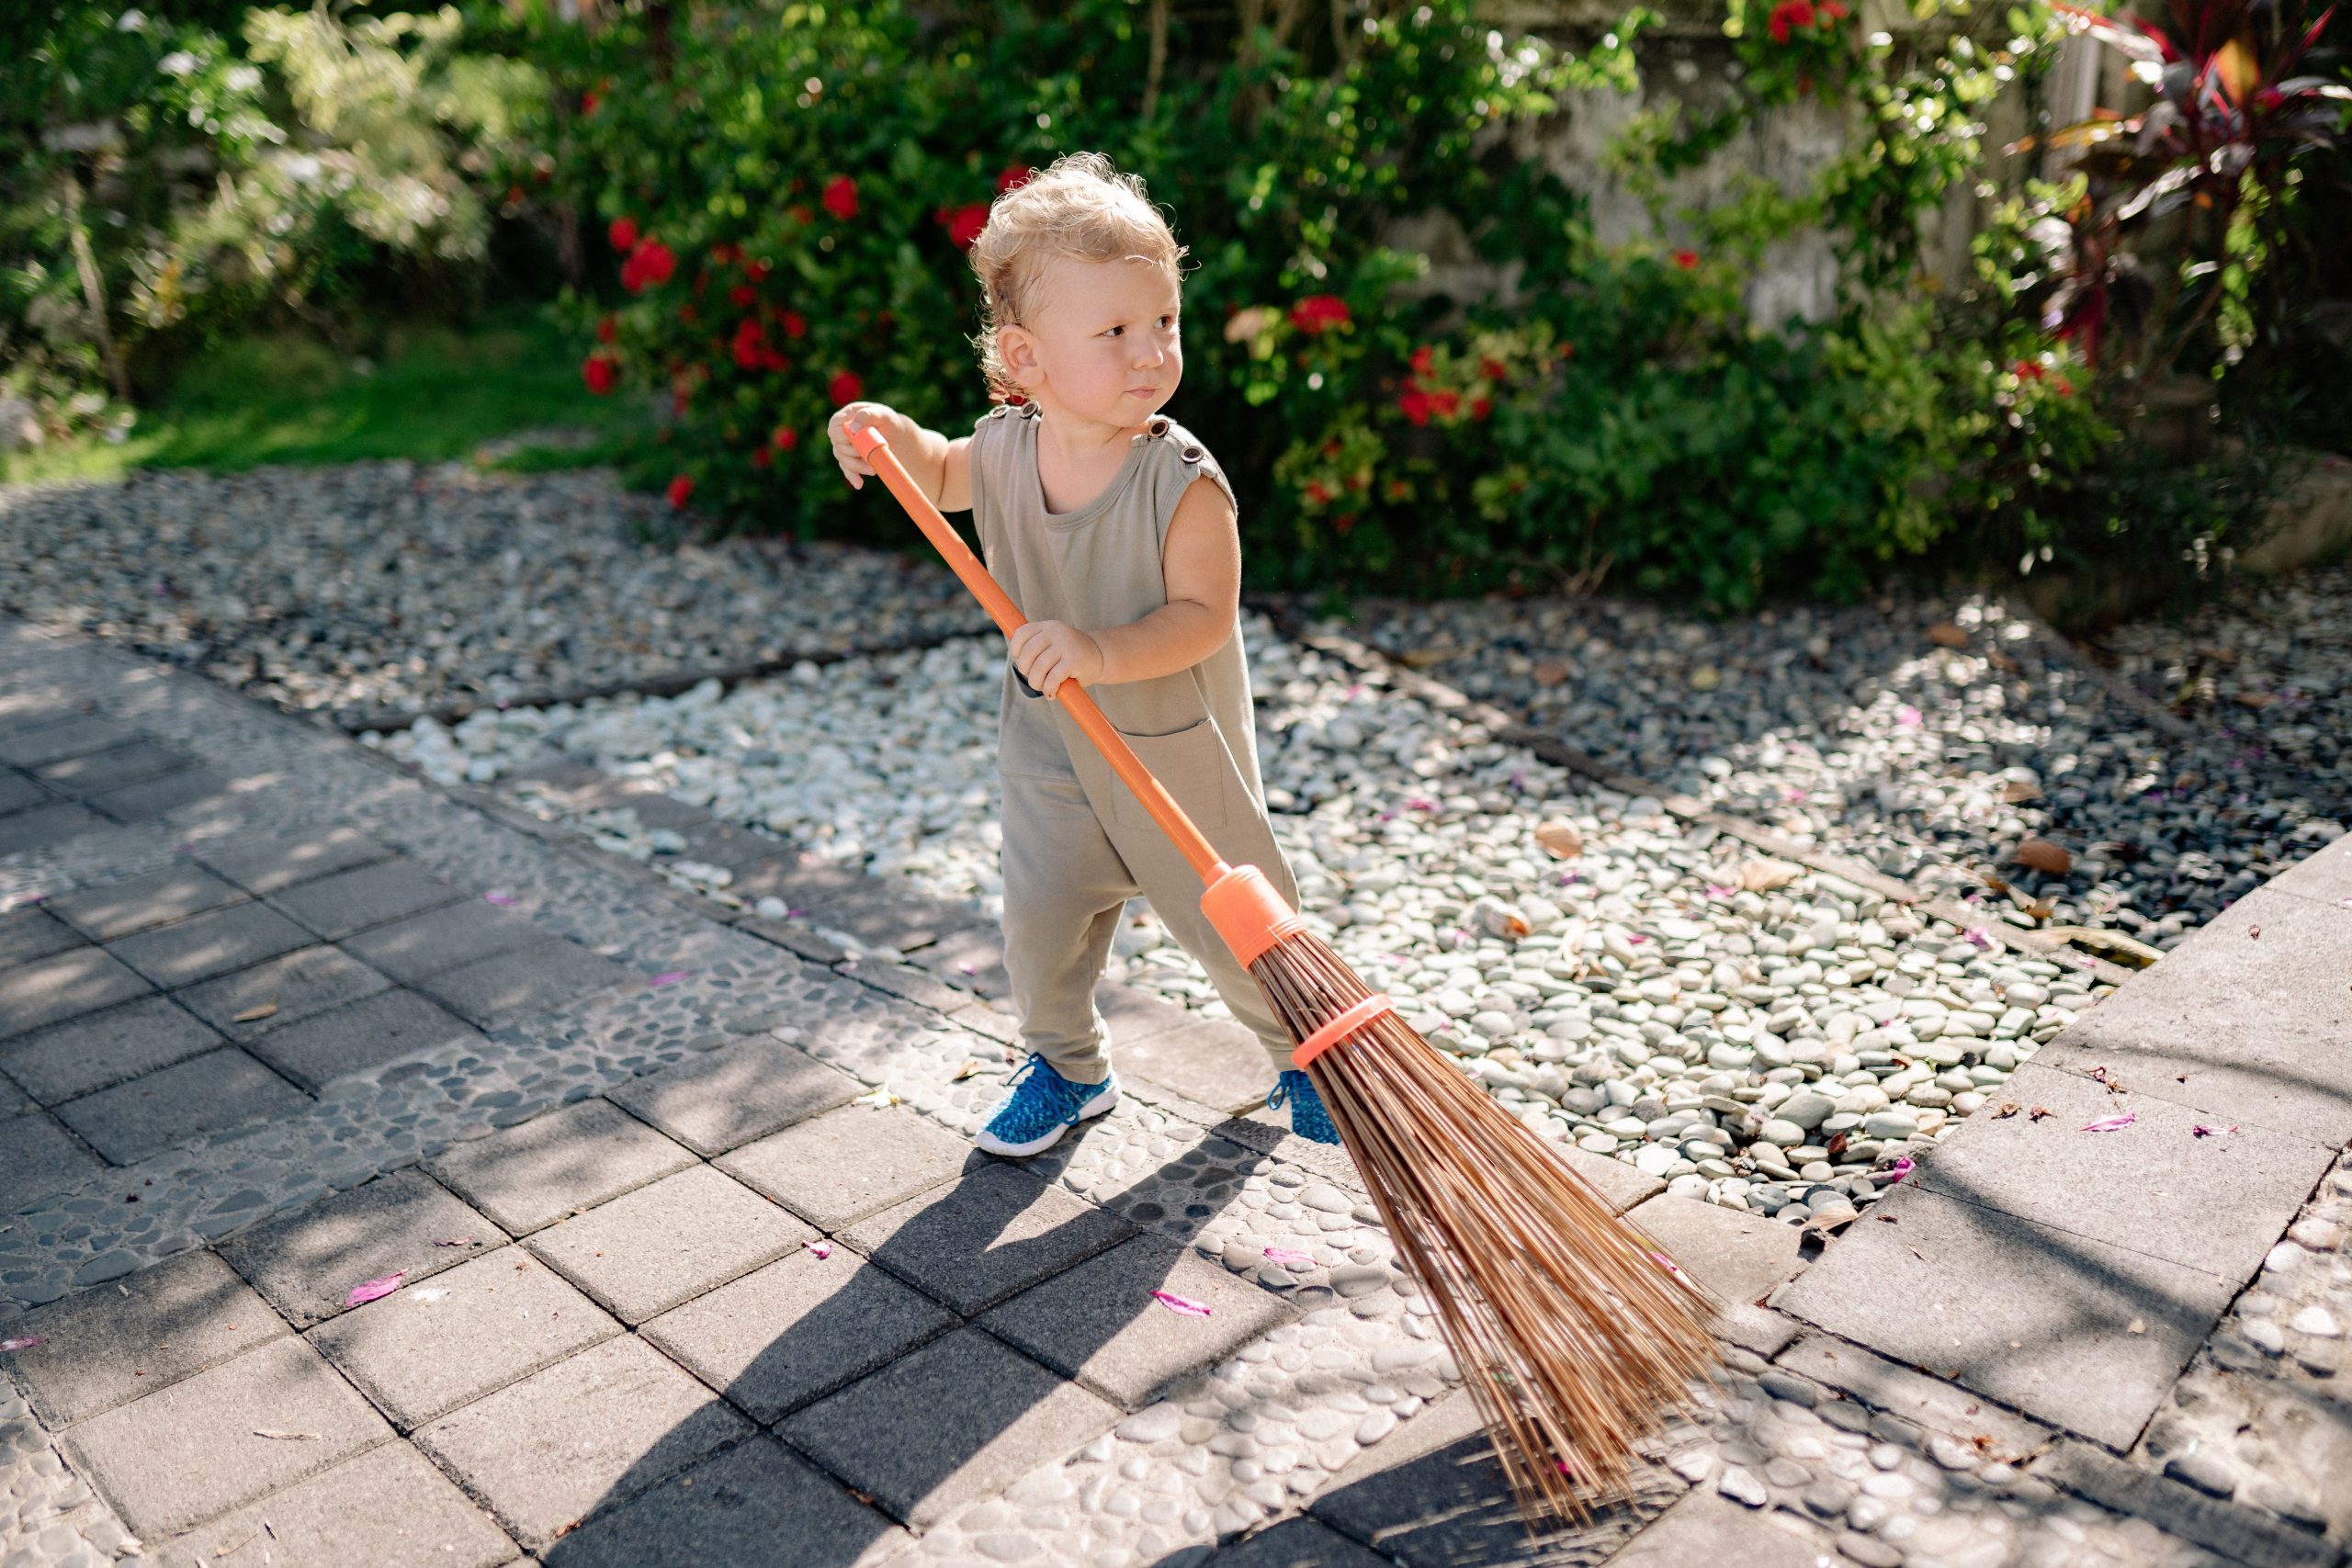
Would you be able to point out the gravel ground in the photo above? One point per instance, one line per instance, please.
(1934, 738)
(395, 586)
(1762, 1036)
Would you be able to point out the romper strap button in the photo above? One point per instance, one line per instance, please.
(1193, 454)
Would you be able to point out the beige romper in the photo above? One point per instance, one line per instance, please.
(1077, 842)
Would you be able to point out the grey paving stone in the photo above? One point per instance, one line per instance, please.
(756, 1504)
(358, 1038)
(109, 1346)
(15, 1101)
(1708, 1528)
(100, 1049)
(1931, 1403)
(648, 1250)
(266, 863)
(37, 745)
(891, 919)
(528, 1177)
(306, 1262)
(797, 1330)
(2220, 1202)
(1735, 1257)
(387, 1508)
(62, 985)
(27, 934)
(120, 909)
(527, 979)
(495, 1318)
(2041, 1319)
(161, 796)
(42, 827)
(96, 772)
(349, 901)
(1212, 1060)
(837, 1169)
(211, 943)
(443, 939)
(1099, 1322)
(2257, 1031)
(1620, 1184)
(2240, 1535)
(37, 1157)
(210, 1093)
(957, 1420)
(2324, 877)
(189, 1452)
(299, 984)
(981, 1239)
(764, 865)
(18, 792)
(715, 1102)
(584, 1434)
(1298, 1543)
(970, 958)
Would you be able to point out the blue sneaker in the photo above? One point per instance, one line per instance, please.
(1041, 1107)
(1307, 1117)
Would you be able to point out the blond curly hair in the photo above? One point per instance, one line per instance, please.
(1079, 206)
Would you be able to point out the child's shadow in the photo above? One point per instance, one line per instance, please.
(996, 1331)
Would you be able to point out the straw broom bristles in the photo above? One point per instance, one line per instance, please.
(1571, 1333)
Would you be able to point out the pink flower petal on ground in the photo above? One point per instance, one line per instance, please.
(1288, 1258)
(1902, 1167)
(24, 1343)
(1668, 1264)
(1907, 716)
(498, 897)
(374, 1290)
(2111, 1124)
(1718, 890)
(820, 1250)
(669, 977)
(2343, 903)
(1979, 938)
(2199, 1130)
(1184, 1304)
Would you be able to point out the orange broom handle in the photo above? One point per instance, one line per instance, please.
(874, 447)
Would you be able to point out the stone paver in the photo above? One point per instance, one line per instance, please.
(210, 1093)
(358, 1038)
(957, 1420)
(646, 1251)
(526, 979)
(36, 745)
(1100, 1322)
(38, 1158)
(425, 1350)
(2074, 1331)
(108, 1347)
(980, 1240)
(1735, 1257)
(1299, 1543)
(211, 943)
(837, 1169)
(101, 1049)
(32, 933)
(1214, 1061)
(724, 1099)
(161, 796)
(345, 902)
(586, 1434)
(797, 1330)
(45, 826)
(189, 1452)
(268, 862)
(388, 1508)
(1706, 1527)
(528, 1178)
(123, 907)
(756, 1504)
(65, 984)
(286, 990)
(97, 773)
(447, 938)
(18, 792)
(306, 1262)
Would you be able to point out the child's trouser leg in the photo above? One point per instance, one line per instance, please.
(1065, 886)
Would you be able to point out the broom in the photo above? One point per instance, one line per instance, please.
(1575, 1336)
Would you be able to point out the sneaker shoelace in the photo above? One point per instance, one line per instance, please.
(1307, 1117)
(1042, 1098)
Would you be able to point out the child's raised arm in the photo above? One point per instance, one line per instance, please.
(942, 466)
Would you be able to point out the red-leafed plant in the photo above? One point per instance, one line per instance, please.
(2181, 245)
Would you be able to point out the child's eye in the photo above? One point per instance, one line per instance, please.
(1168, 323)
(1114, 332)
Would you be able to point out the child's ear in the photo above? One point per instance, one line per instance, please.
(1018, 350)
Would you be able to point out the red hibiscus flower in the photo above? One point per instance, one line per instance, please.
(1318, 313)
(1015, 175)
(757, 271)
(1482, 408)
(841, 198)
(1492, 369)
(600, 371)
(622, 233)
(845, 388)
(2028, 370)
(1423, 358)
(1831, 11)
(794, 324)
(964, 223)
(1415, 406)
(784, 439)
(1686, 260)
(751, 343)
(606, 329)
(651, 263)
(762, 458)
(682, 490)
(742, 296)
(589, 100)
(2066, 387)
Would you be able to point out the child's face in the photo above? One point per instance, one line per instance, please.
(1102, 342)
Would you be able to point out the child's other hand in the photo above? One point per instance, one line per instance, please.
(1049, 653)
(855, 467)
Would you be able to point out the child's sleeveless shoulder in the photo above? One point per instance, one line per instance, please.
(990, 457)
(1176, 458)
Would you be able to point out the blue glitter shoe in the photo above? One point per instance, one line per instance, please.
(1307, 1117)
(1041, 1107)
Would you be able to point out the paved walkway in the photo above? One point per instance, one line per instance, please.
(285, 1021)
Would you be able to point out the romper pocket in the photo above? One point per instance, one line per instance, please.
(1194, 766)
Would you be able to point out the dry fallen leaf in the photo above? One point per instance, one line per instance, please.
(971, 1065)
(1943, 633)
(1763, 876)
(254, 1015)
(2016, 791)
(1423, 657)
(2000, 661)
(1561, 839)
(2007, 1108)
(2137, 1325)
(2041, 1111)
(286, 1437)
(1550, 672)
(2040, 854)
(2256, 700)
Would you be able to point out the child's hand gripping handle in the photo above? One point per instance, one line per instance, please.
(874, 447)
